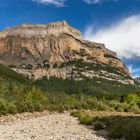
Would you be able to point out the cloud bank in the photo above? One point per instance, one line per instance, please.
(58, 3)
(122, 37)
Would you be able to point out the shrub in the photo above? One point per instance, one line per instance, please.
(78, 106)
(46, 66)
(21, 106)
(114, 104)
(126, 127)
(38, 66)
(102, 106)
(12, 108)
(76, 114)
(36, 96)
(116, 130)
(132, 130)
(92, 103)
(38, 106)
(98, 125)
(132, 98)
(60, 109)
(3, 107)
(134, 108)
(86, 119)
(120, 109)
(30, 106)
(55, 65)
(29, 66)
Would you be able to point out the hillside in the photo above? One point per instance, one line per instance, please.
(57, 49)
(17, 93)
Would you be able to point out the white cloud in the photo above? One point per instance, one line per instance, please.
(96, 1)
(134, 71)
(92, 1)
(58, 3)
(122, 37)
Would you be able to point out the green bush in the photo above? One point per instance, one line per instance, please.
(126, 127)
(132, 130)
(102, 106)
(116, 131)
(32, 100)
(12, 109)
(118, 106)
(132, 98)
(46, 66)
(134, 109)
(76, 114)
(98, 125)
(3, 107)
(38, 106)
(86, 119)
(21, 106)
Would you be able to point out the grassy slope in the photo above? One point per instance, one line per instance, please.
(17, 93)
(93, 94)
(96, 87)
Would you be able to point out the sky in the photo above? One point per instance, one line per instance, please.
(113, 22)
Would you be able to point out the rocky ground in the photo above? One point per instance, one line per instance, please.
(44, 126)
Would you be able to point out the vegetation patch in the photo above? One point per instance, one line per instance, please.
(18, 94)
(110, 56)
(46, 66)
(117, 125)
(38, 66)
(85, 66)
(29, 66)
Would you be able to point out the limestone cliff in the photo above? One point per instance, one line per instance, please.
(137, 79)
(57, 49)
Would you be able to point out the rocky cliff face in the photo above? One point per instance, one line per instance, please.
(57, 49)
(137, 79)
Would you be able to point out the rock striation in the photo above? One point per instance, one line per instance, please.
(57, 49)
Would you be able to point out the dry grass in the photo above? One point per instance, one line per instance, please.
(108, 113)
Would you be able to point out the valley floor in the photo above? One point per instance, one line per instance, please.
(44, 126)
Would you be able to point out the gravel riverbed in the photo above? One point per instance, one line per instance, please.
(44, 126)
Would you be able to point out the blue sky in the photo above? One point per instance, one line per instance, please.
(113, 22)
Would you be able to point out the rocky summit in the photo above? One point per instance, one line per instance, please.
(57, 49)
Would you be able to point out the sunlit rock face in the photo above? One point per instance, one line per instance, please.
(57, 49)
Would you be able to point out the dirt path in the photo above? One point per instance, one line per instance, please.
(45, 126)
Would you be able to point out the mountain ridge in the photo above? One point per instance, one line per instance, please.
(57, 49)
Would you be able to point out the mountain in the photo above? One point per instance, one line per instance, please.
(58, 50)
(137, 79)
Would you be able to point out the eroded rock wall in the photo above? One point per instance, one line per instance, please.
(57, 49)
